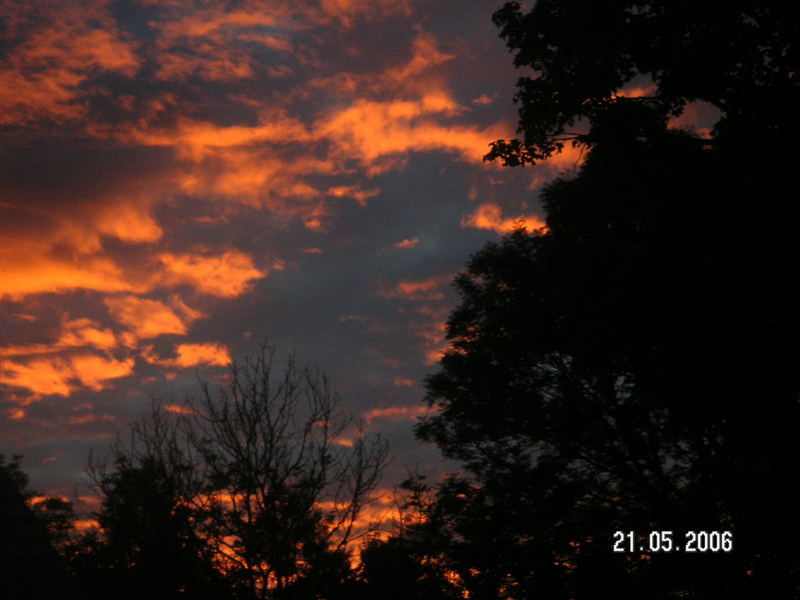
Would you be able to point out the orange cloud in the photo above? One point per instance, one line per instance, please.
(15, 414)
(483, 100)
(408, 243)
(62, 248)
(179, 409)
(64, 374)
(208, 23)
(396, 413)
(370, 130)
(208, 43)
(425, 54)
(30, 269)
(85, 332)
(43, 76)
(419, 290)
(352, 191)
(217, 64)
(637, 91)
(348, 12)
(259, 176)
(433, 340)
(92, 370)
(411, 78)
(192, 355)
(84, 525)
(698, 116)
(75, 334)
(403, 382)
(250, 163)
(151, 318)
(227, 275)
(490, 216)
(258, 147)
(128, 223)
(196, 139)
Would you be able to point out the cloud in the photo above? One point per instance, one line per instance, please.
(76, 223)
(425, 54)
(407, 243)
(85, 332)
(402, 79)
(179, 409)
(39, 271)
(129, 223)
(370, 130)
(157, 161)
(15, 413)
(490, 216)
(44, 75)
(195, 139)
(353, 191)
(79, 333)
(213, 45)
(418, 290)
(62, 375)
(348, 12)
(226, 275)
(433, 339)
(483, 100)
(192, 355)
(147, 318)
(396, 413)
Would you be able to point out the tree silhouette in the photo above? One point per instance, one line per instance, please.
(258, 477)
(30, 567)
(620, 372)
(149, 547)
(398, 568)
(740, 57)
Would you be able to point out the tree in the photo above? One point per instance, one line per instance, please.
(30, 567)
(602, 376)
(409, 564)
(740, 57)
(633, 365)
(266, 476)
(149, 546)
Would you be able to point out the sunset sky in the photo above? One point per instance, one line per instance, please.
(182, 179)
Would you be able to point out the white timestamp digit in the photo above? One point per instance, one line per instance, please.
(705, 541)
(619, 544)
(660, 541)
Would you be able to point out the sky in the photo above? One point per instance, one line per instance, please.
(181, 180)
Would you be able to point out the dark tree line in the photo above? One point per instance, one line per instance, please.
(30, 566)
(634, 365)
(254, 491)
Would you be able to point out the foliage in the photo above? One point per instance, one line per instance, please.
(30, 567)
(631, 368)
(148, 547)
(740, 57)
(250, 483)
(410, 563)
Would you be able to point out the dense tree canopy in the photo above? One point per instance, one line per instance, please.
(633, 366)
(149, 546)
(30, 567)
(741, 57)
